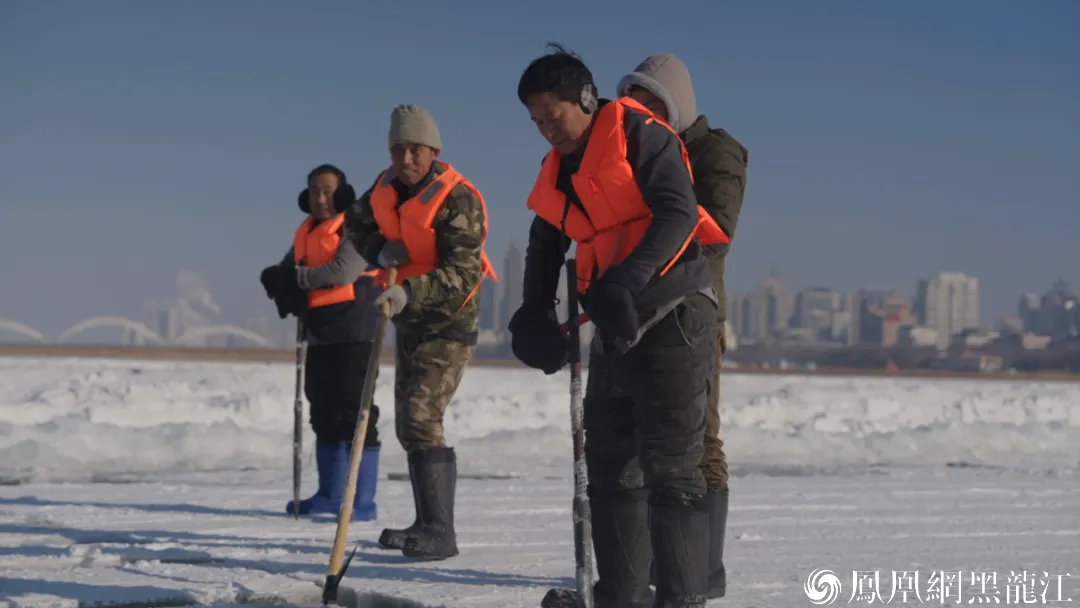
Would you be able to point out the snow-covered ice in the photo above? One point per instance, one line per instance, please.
(164, 484)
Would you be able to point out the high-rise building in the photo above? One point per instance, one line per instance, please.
(894, 314)
(489, 304)
(752, 321)
(840, 327)
(1028, 310)
(918, 304)
(852, 305)
(877, 317)
(814, 310)
(1058, 313)
(863, 324)
(949, 303)
(512, 280)
(778, 304)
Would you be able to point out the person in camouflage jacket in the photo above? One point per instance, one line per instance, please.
(435, 310)
(718, 161)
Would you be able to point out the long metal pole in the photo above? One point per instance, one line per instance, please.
(582, 517)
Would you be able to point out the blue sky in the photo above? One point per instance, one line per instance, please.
(888, 140)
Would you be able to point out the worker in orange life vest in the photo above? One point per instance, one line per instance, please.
(328, 284)
(617, 183)
(424, 218)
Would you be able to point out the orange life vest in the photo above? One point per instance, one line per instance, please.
(616, 216)
(412, 224)
(316, 245)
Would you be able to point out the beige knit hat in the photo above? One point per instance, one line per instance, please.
(411, 124)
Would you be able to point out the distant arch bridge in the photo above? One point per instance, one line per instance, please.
(188, 338)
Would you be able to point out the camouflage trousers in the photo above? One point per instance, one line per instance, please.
(428, 372)
(714, 463)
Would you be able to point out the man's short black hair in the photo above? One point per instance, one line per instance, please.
(327, 168)
(560, 72)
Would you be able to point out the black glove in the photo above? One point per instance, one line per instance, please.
(291, 302)
(278, 279)
(271, 281)
(536, 339)
(611, 308)
(288, 280)
(288, 297)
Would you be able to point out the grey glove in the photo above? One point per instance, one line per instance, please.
(396, 296)
(393, 253)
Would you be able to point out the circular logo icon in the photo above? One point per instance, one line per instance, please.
(822, 586)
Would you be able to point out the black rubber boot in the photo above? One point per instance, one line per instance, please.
(394, 538)
(718, 508)
(620, 538)
(679, 530)
(436, 476)
(718, 505)
(620, 530)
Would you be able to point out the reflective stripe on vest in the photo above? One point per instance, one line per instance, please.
(616, 216)
(316, 245)
(412, 223)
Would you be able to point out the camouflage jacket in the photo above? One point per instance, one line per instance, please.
(719, 163)
(436, 296)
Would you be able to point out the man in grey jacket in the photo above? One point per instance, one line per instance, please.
(329, 285)
(662, 84)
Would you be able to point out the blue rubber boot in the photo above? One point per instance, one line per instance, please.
(332, 460)
(364, 506)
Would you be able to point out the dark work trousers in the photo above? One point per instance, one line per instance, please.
(334, 386)
(645, 410)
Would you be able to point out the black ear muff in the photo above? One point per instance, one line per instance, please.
(344, 197)
(302, 200)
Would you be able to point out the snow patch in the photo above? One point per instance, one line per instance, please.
(105, 420)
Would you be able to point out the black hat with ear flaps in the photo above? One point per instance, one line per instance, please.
(344, 196)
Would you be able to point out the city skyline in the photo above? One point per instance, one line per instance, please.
(255, 304)
(943, 313)
(813, 307)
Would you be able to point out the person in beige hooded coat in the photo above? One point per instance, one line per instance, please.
(662, 84)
